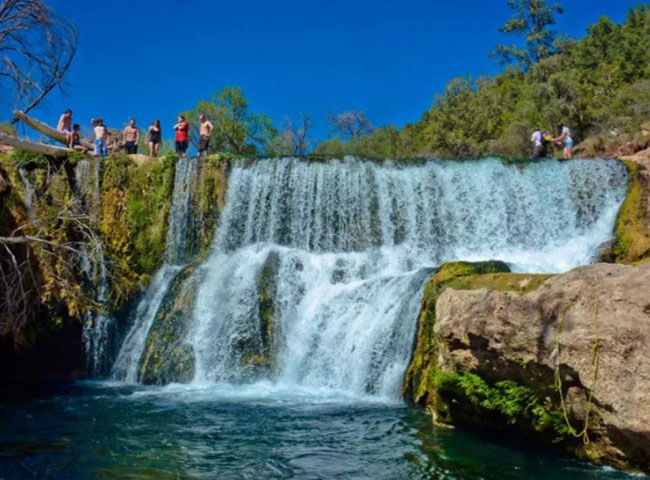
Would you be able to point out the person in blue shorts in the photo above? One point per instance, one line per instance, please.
(566, 138)
(101, 137)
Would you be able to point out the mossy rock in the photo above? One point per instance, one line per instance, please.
(632, 235)
(257, 357)
(464, 398)
(419, 382)
(167, 357)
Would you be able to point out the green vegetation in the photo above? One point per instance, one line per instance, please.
(466, 397)
(599, 85)
(236, 130)
(531, 20)
(135, 203)
(632, 241)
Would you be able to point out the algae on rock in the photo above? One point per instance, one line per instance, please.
(167, 356)
(632, 235)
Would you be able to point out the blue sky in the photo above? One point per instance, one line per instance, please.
(153, 58)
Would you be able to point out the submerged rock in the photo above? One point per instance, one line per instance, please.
(167, 356)
(494, 353)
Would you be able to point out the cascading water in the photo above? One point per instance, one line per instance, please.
(98, 325)
(176, 254)
(29, 191)
(356, 241)
(341, 250)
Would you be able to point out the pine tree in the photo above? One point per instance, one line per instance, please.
(532, 19)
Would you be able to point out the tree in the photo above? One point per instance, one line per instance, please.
(532, 19)
(236, 130)
(351, 124)
(36, 50)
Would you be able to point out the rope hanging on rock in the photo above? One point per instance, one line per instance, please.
(584, 433)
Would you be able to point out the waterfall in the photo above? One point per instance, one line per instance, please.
(317, 269)
(181, 214)
(29, 191)
(176, 254)
(98, 325)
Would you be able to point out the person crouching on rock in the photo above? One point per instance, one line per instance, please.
(182, 129)
(205, 130)
(101, 137)
(131, 138)
(75, 140)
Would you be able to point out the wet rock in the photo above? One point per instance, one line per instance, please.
(167, 356)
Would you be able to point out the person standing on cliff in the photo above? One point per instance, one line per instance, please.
(566, 138)
(102, 136)
(539, 150)
(205, 130)
(155, 138)
(182, 129)
(65, 125)
(131, 137)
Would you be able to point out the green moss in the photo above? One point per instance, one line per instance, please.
(466, 398)
(266, 289)
(211, 198)
(167, 358)
(25, 158)
(632, 235)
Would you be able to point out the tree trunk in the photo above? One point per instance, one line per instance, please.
(45, 129)
(51, 150)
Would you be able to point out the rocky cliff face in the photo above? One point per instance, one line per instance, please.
(563, 359)
(122, 205)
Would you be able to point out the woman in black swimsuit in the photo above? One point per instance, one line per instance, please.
(155, 138)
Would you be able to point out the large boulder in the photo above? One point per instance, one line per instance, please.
(567, 362)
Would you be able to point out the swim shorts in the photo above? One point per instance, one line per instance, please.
(204, 143)
(131, 148)
(100, 148)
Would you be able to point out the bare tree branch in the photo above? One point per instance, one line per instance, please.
(37, 50)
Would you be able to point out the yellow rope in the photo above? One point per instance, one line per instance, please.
(584, 433)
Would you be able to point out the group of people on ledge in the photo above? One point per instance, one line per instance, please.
(542, 140)
(131, 136)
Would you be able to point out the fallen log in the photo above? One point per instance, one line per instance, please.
(51, 150)
(46, 130)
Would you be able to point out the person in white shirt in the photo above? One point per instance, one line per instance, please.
(539, 150)
(566, 138)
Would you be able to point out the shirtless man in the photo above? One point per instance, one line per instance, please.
(131, 137)
(205, 130)
(101, 137)
(65, 125)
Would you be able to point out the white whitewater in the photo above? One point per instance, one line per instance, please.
(125, 367)
(356, 242)
(30, 193)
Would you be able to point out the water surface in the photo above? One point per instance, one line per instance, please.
(95, 430)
